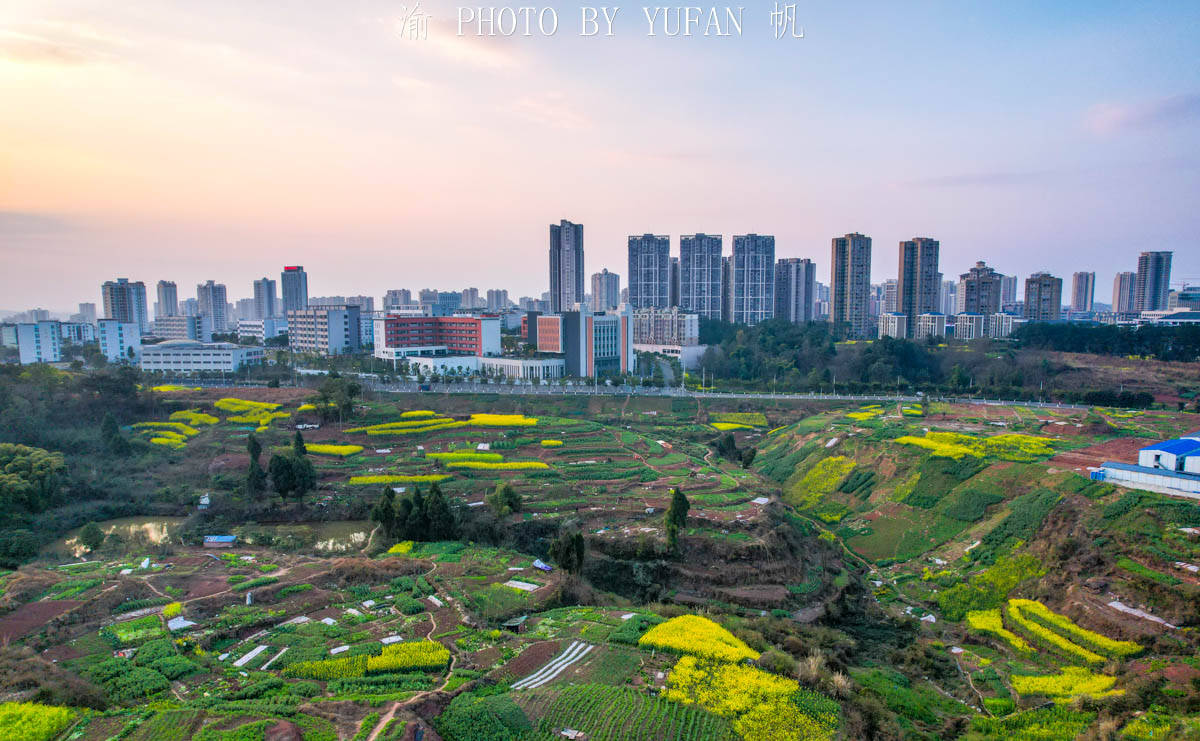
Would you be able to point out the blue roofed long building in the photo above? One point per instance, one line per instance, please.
(1169, 467)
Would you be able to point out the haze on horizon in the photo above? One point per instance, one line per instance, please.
(172, 140)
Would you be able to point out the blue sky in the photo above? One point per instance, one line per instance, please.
(185, 141)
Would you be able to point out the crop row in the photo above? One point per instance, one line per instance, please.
(609, 713)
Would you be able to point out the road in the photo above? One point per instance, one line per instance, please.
(371, 381)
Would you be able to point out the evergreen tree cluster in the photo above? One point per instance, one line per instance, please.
(568, 551)
(415, 516)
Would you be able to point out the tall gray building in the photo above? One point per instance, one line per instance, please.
(497, 299)
(673, 291)
(795, 284)
(1083, 291)
(979, 291)
(1124, 296)
(752, 280)
(566, 266)
(649, 271)
(606, 291)
(919, 283)
(293, 285)
(700, 274)
(126, 302)
(210, 298)
(265, 303)
(1043, 298)
(398, 297)
(168, 299)
(1153, 281)
(850, 292)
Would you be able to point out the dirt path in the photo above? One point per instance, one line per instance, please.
(370, 538)
(398, 705)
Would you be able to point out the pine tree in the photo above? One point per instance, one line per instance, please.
(437, 512)
(110, 434)
(384, 512)
(298, 445)
(256, 480)
(283, 476)
(417, 522)
(404, 509)
(677, 514)
(253, 447)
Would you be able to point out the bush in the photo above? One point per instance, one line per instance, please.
(971, 505)
(261, 581)
(471, 716)
(174, 667)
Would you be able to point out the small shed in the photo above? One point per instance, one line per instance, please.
(515, 625)
(205, 502)
(219, 541)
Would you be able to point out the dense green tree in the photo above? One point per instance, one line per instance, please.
(748, 456)
(29, 479)
(305, 475)
(91, 536)
(336, 396)
(283, 475)
(568, 551)
(504, 500)
(110, 434)
(298, 447)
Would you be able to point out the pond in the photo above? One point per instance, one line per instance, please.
(149, 530)
(341, 536)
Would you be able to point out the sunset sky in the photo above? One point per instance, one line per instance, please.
(162, 139)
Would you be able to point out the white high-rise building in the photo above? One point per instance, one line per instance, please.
(168, 299)
(210, 299)
(266, 305)
(120, 342)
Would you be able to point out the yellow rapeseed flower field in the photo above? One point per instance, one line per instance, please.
(699, 636)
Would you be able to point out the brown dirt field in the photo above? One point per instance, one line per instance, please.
(1122, 449)
(485, 658)
(101, 729)
(283, 395)
(534, 657)
(283, 731)
(207, 586)
(62, 652)
(1180, 673)
(191, 560)
(760, 595)
(29, 617)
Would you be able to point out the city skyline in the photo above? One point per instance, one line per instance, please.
(1154, 268)
(1095, 159)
